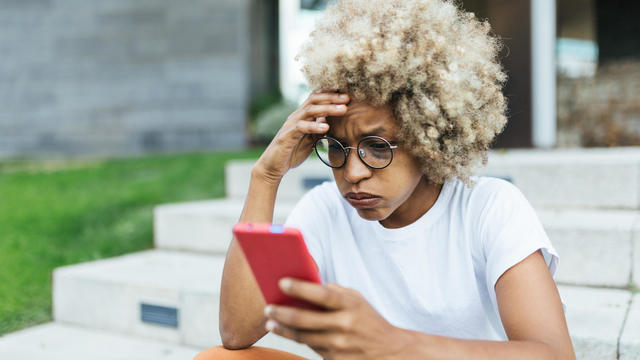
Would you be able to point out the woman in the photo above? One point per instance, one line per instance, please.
(419, 258)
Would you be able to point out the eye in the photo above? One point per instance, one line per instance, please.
(378, 145)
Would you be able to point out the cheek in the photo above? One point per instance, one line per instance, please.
(402, 184)
(405, 174)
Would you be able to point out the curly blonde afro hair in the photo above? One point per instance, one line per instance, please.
(433, 64)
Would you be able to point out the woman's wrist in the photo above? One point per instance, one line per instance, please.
(263, 176)
(409, 344)
(261, 197)
(399, 343)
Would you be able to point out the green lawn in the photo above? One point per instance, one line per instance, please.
(59, 213)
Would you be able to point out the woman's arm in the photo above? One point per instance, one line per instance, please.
(241, 303)
(528, 302)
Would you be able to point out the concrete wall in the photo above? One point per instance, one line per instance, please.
(120, 77)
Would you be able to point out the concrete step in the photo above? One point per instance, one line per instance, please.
(56, 341)
(630, 338)
(296, 182)
(108, 295)
(158, 295)
(574, 178)
(595, 246)
(579, 178)
(600, 323)
(203, 226)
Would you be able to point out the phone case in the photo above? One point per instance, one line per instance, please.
(274, 252)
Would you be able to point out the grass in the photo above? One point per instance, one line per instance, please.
(65, 212)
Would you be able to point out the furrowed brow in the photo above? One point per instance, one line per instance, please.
(374, 132)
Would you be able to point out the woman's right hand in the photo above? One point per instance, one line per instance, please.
(294, 141)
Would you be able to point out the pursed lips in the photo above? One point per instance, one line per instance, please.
(362, 200)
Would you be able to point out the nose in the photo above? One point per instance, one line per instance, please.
(354, 169)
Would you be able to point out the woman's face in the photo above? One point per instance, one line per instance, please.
(395, 196)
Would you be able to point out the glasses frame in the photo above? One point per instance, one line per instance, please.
(347, 149)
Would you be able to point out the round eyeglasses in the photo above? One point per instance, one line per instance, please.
(374, 151)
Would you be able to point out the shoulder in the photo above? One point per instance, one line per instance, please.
(501, 194)
(489, 205)
(485, 186)
(501, 209)
(485, 192)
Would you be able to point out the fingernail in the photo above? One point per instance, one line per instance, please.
(285, 284)
(322, 126)
(271, 324)
(268, 310)
(344, 96)
(340, 107)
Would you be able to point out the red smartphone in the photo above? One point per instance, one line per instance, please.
(275, 252)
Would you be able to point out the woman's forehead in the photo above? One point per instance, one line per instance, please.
(361, 120)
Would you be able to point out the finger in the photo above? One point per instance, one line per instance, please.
(322, 110)
(311, 127)
(326, 98)
(306, 319)
(330, 297)
(332, 341)
(314, 111)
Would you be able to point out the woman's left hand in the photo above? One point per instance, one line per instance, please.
(349, 329)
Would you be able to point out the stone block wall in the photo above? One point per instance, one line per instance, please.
(121, 77)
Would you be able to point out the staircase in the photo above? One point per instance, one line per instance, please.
(163, 303)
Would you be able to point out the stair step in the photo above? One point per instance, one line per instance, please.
(297, 181)
(107, 294)
(630, 339)
(57, 341)
(159, 295)
(203, 226)
(635, 275)
(574, 178)
(596, 318)
(595, 246)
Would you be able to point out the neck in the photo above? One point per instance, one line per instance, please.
(422, 199)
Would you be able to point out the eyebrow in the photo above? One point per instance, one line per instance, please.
(375, 132)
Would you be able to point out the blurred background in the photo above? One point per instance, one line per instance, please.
(109, 108)
(90, 78)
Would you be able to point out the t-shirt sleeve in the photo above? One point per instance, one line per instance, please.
(311, 216)
(511, 231)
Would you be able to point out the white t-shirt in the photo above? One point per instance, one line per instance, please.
(436, 275)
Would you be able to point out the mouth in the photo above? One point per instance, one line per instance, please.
(362, 200)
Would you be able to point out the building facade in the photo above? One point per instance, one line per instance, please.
(121, 77)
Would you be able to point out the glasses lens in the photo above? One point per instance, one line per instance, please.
(376, 152)
(330, 152)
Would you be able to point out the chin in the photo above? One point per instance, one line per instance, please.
(372, 214)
